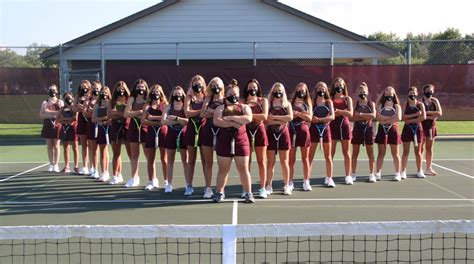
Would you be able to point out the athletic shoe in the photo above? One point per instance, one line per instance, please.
(307, 186)
(92, 170)
(218, 197)
(56, 168)
(397, 177)
(286, 190)
(372, 178)
(291, 185)
(50, 168)
(403, 175)
(189, 190)
(249, 198)
(168, 188)
(152, 184)
(378, 176)
(326, 180)
(262, 193)
(348, 180)
(66, 170)
(132, 182)
(84, 171)
(116, 180)
(104, 177)
(76, 170)
(95, 175)
(208, 193)
(354, 177)
(331, 183)
(269, 189)
(165, 182)
(420, 174)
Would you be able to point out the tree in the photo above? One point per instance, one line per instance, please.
(393, 41)
(32, 59)
(458, 51)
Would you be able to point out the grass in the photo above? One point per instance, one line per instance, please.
(32, 131)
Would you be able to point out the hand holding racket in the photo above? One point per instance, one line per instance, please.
(321, 112)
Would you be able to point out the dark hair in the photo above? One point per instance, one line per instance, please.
(119, 84)
(233, 84)
(326, 93)
(134, 93)
(85, 83)
(382, 100)
(333, 87)
(172, 91)
(426, 86)
(245, 92)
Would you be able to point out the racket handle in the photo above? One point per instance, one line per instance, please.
(96, 130)
(139, 135)
(157, 140)
(196, 140)
(178, 143)
(293, 143)
(320, 142)
(107, 141)
(415, 140)
(232, 146)
(214, 142)
(431, 133)
(253, 142)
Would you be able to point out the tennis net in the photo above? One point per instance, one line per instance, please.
(403, 241)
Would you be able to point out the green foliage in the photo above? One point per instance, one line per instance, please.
(457, 52)
(32, 59)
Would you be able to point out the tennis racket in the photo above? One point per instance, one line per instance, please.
(413, 126)
(277, 130)
(253, 126)
(101, 112)
(156, 130)
(297, 122)
(236, 110)
(321, 111)
(363, 109)
(389, 112)
(65, 130)
(197, 123)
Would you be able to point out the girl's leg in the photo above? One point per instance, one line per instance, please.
(270, 167)
(382, 148)
(418, 158)
(312, 152)
(262, 166)
(56, 151)
(66, 154)
(333, 148)
(328, 159)
(192, 153)
(116, 158)
(429, 156)
(185, 160)
(207, 156)
(306, 162)
(49, 150)
(242, 164)
(84, 152)
(355, 156)
(223, 164)
(75, 151)
(396, 158)
(405, 154)
(164, 162)
(370, 154)
(170, 155)
(291, 163)
(347, 157)
(134, 156)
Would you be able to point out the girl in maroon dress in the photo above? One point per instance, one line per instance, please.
(91, 130)
(80, 106)
(433, 111)
(340, 126)
(51, 130)
(137, 131)
(256, 132)
(279, 114)
(155, 137)
(232, 142)
(101, 117)
(68, 120)
(208, 133)
(174, 117)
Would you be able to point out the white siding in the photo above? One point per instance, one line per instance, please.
(219, 20)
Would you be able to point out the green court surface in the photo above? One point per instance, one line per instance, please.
(31, 196)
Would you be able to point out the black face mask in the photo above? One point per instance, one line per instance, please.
(68, 101)
(362, 96)
(140, 91)
(155, 96)
(278, 95)
(177, 98)
(252, 92)
(428, 94)
(320, 93)
(233, 99)
(120, 93)
(301, 94)
(95, 92)
(197, 88)
(339, 89)
(52, 94)
(83, 91)
(412, 96)
(389, 98)
(103, 96)
(216, 89)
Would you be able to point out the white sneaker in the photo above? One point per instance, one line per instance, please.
(286, 190)
(189, 190)
(262, 193)
(331, 182)
(132, 182)
(242, 195)
(152, 184)
(372, 178)
(348, 180)
(378, 176)
(208, 193)
(354, 177)
(56, 168)
(307, 186)
(326, 180)
(116, 180)
(95, 175)
(420, 174)
(92, 170)
(168, 188)
(104, 177)
(50, 167)
(165, 182)
(269, 189)
(291, 185)
(403, 175)
(397, 177)
(84, 171)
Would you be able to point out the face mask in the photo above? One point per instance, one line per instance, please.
(216, 89)
(120, 93)
(428, 94)
(277, 94)
(412, 96)
(197, 88)
(84, 91)
(141, 92)
(103, 96)
(155, 96)
(339, 89)
(177, 98)
(52, 94)
(320, 93)
(68, 101)
(252, 92)
(388, 98)
(232, 99)
(95, 92)
(362, 96)
(301, 94)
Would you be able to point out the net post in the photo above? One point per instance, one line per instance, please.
(229, 244)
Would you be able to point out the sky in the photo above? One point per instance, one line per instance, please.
(51, 22)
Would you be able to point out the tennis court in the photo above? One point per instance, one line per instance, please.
(31, 196)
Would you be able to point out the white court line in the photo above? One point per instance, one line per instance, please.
(451, 170)
(235, 201)
(235, 209)
(446, 189)
(21, 173)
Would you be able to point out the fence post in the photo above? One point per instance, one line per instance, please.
(177, 53)
(332, 53)
(255, 54)
(102, 63)
(409, 63)
(63, 83)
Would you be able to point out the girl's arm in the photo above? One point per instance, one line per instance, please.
(94, 114)
(243, 119)
(306, 115)
(348, 111)
(205, 107)
(331, 115)
(263, 116)
(218, 121)
(422, 115)
(434, 114)
(283, 118)
(128, 109)
(188, 111)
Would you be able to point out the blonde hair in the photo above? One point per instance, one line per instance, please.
(284, 99)
(219, 82)
(157, 87)
(199, 78)
(307, 98)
